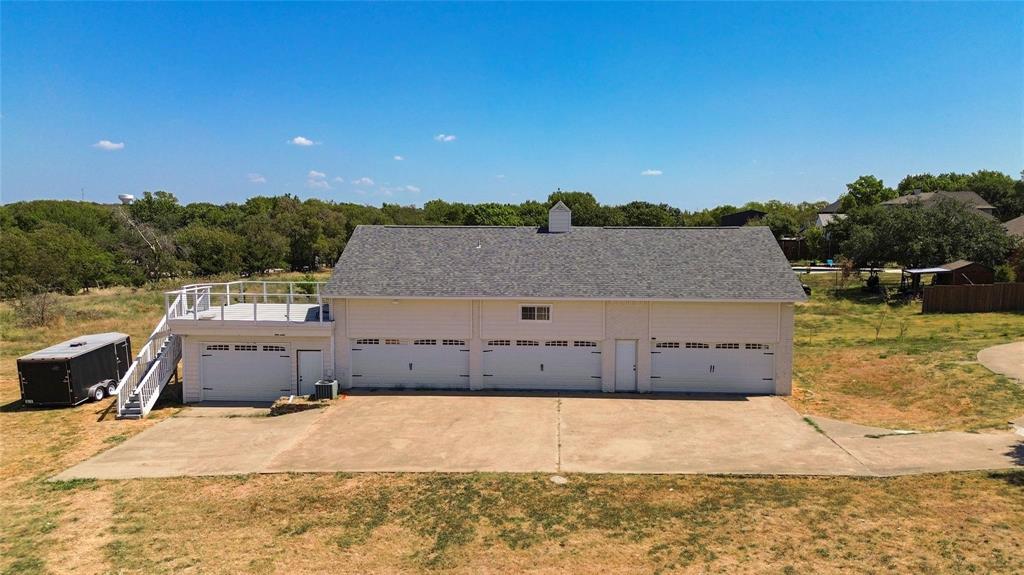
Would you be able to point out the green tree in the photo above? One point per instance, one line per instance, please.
(866, 191)
(442, 212)
(1000, 190)
(533, 213)
(585, 209)
(920, 236)
(651, 215)
(158, 209)
(210, 251)
(814, 237)
(949, 182)
(493, 215)
(265, 249)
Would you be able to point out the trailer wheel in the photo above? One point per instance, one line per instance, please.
(111, 388)
(98, 393)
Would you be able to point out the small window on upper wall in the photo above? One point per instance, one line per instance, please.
(535, 313)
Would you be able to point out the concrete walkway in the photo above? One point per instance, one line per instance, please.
(539, 433)
(1006, 359)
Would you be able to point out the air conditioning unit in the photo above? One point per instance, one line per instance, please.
(327, 389)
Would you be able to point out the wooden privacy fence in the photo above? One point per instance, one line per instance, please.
(974, 298)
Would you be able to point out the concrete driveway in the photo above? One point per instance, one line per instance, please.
(1006, 359)
(537, 433)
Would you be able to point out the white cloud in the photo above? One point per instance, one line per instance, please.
(256, 178)
(445, 137)
(363, 181)
(500, 176)
(412, 189)
(301, 141)
(651, 173)
(317, 180)
(108, 146)
(399, 158)
(339, 179)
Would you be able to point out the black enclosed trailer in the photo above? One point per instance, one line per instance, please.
(87, 367)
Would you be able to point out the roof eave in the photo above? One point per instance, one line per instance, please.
(541, 298)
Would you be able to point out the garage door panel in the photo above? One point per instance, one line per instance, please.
(245, 372)
(408, 365)
(542, 367)
(713, 367)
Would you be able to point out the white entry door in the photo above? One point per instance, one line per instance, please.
(533, 364)
(421, 363)
(311, 370)
(708, 367)
(625, 365)
(245, 371)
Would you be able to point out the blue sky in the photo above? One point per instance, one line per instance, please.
(690, 104)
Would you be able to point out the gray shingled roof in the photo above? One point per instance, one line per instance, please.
(1015, 227)
(967, 197)
(585, 263)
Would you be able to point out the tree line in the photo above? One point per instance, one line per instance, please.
(67, 246)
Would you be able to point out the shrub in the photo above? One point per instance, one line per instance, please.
(37, 309)
(1005, 273)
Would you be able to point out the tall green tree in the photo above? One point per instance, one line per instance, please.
(584, 206)
(210, 251)
(920, 236)
(264, 248)
(493, 215)
(866, 191)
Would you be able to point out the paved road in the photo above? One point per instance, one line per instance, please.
(1007, 359)
(539, 433)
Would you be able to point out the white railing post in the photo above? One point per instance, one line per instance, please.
(288, 307)
(264, 292)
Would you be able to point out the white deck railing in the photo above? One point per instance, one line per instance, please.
(248, 301)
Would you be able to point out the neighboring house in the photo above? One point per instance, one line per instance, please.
(741, 218)
(829, 214)
(615, 309)
(970, 199)
(1015, 227)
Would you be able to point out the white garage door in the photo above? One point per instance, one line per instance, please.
(531, 364)
(245, 371)
(419, 363)
(724, 367)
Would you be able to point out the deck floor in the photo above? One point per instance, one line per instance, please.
(298, 312)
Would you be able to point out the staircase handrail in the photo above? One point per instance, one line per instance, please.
(143, 362)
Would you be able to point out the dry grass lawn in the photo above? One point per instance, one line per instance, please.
(860, 360)
(502, 523)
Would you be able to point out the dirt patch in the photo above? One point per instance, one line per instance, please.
(296, 404)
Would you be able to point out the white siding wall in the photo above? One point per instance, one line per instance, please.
(478, 321)
(192, 355)
(569, 319)
(408, 318)
(626, 320)
(784, 351)
(747, 322)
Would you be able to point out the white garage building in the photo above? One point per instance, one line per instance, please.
(620, 309)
